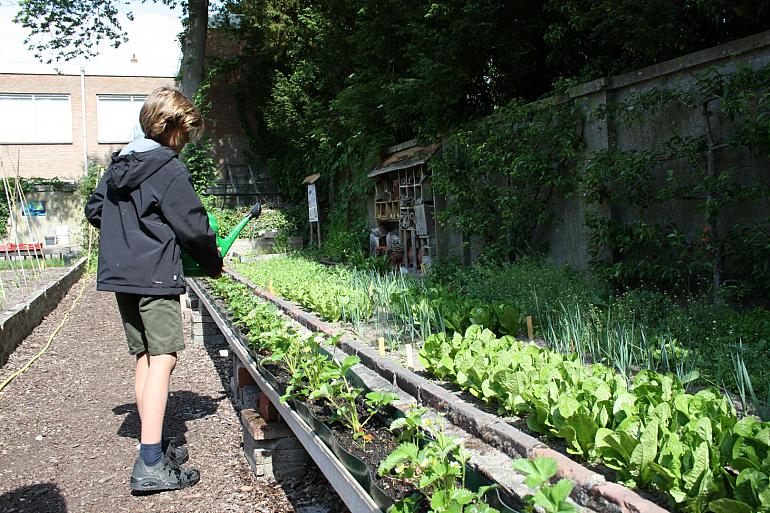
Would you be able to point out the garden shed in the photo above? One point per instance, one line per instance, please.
(403, 223)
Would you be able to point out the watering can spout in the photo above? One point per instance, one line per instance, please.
(192, 268)
(226, 242)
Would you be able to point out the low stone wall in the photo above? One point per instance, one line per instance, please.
(28, 315)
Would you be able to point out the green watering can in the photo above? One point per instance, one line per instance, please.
(192, 268)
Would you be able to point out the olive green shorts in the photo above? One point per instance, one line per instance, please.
(153, 324)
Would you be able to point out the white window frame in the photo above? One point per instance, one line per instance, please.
(37, 138)
(133, 99)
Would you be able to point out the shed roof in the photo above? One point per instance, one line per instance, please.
(403, 159)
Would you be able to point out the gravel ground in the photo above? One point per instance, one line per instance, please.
(69, 427)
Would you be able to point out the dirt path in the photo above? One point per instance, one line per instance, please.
(69, 427)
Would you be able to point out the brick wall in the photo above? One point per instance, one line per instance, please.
(223, 123)
(65, 161)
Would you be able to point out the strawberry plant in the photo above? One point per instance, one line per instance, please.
(552, 498)
(436, 467)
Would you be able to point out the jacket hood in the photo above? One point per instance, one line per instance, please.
(128, 171)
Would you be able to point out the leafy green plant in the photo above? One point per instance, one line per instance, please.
(343, 397)
(648, 429)
(411, 425)
(198, 156)
(436, 467)
(552, 498)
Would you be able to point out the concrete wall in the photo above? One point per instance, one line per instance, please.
(63, 208)
(567, 236)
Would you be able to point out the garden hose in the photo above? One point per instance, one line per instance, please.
(58, 328)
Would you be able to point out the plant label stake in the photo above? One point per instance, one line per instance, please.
(381, 342)
(312, 205)
(270, 287)
(409, 357)
(530, 330)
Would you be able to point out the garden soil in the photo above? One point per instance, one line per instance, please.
(69, 426)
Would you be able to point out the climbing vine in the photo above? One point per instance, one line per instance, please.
(713, 164)
(500, 175)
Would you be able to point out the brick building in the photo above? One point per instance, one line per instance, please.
(242, 176)
(43, 124)
(52, 124)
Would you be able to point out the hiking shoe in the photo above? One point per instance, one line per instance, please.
(161, 476)
(177, 454)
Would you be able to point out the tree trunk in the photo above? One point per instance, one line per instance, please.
(194, 47)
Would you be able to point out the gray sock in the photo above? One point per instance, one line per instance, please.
(151, 453)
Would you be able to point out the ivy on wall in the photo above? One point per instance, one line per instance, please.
(500, 175)
(715, 164)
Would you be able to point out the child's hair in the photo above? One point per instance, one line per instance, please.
(167, 109)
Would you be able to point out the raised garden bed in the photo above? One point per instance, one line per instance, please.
(592, 489)
(27, 302)
(273, 379)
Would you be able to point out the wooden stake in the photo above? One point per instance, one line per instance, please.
(381, 343)
(270, 287)
(530, 330)
(409, 357)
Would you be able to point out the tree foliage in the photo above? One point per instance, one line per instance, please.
(63, 30)
(327, 84)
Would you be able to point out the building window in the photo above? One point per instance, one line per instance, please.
(118, 118)
(35, 119)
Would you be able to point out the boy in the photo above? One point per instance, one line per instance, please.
(147, 211)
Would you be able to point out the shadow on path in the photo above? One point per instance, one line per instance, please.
(182, 406)
(37, 498)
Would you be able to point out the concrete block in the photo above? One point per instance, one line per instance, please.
(250, 396)
(510, 440)
(205, 329)
(627, 500)
(255, 426)
(271, 448)
(209, 339)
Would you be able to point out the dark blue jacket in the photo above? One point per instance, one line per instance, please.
(147, 211)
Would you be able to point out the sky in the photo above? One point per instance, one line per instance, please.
(152, 39)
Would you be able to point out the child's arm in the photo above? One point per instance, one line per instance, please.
(93, 208)
(187, 217)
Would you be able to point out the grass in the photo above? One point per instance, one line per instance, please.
(6, 265)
